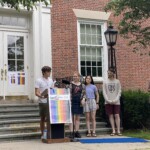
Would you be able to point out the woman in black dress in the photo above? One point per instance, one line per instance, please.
(77, 90)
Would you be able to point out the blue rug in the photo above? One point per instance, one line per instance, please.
(113, 140)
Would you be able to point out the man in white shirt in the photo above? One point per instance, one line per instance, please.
(40, 85)
(112, 93)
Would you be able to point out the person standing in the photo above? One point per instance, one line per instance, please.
(42, 84)
(91, 104)
(77, 90)
(112, 94)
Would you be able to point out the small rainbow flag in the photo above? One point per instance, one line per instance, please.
(21, 78)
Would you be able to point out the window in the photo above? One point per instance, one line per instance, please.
(16, 53)
(91, 49)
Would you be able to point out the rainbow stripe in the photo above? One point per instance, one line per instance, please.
(21, 78)
(60, 113)
(58, 91)
(13, 81)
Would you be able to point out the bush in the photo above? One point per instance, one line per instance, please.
(136, 109)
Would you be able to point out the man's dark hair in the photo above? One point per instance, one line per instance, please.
(46, 69)
(112, 70)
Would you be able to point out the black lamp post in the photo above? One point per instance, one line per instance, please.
(111, 38)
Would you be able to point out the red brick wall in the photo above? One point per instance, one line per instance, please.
(133, 70)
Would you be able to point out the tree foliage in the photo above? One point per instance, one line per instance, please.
(29, 4)
(135, 22)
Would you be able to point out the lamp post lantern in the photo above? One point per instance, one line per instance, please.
(111, 38)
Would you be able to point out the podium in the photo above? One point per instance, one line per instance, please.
(59, 108)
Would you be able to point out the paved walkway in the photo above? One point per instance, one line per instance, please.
(38, 145)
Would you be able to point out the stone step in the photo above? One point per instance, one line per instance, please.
(36, 135)
(19, 105)
(18, 111)
(36, 127)
(18, 115)
(25, 118)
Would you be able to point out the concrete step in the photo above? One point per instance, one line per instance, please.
(19, 110)
(18, 115)
(36, 135)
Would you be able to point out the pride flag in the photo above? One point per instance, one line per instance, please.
(21, 78)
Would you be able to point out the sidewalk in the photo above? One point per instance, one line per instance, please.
(38, 145)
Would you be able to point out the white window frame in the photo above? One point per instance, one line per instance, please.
(104, 45)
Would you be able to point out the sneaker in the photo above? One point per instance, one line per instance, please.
(42, 137)
(77, 134)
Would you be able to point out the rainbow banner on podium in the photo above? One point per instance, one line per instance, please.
(60, 106)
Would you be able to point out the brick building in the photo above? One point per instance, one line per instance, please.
(78, 43)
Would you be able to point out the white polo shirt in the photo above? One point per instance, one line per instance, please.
(43, 84)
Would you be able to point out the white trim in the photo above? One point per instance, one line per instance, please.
(88, 14)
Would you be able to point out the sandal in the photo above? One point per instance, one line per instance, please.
(119, 134)
(112, 134)
(88, 135)
(94, 135)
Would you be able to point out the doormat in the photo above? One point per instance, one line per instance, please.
(113, 140)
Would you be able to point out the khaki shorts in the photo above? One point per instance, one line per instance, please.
(90, 105)
(43, 107)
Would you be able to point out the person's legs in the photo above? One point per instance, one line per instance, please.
(111, 119)
(93, 114)
(77, 122)
(117, 117)
(88, 121)
(109, 111)
(77, 125)
(42, 117)
(42, 124)
(117, 121)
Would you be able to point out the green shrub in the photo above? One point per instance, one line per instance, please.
(136, 111)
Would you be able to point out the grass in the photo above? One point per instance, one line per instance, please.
(145, 134)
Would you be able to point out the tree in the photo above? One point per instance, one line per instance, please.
(29, 4)
(135, 20)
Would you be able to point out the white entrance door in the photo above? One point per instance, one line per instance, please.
(13, 64)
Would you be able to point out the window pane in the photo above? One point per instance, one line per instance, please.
(6, 20)
(93, 29)
(22, 22)
(99, 30)
(82, 28)
(89, 71)
(11, 65)
(20, 53)
(88, 58)
(94, 71)
(93, 63)
(82, 51)
(82, 39)
(99, 40)
(11, 53)
(88, 29)
(88, 51)
(11, 41)
(14, 21)
(98, 51)
(19, 42)
(20, 65)
(88, 39)
(82, 63)
(83, 71)
(88, 63)
(94, 40)
(94, 51)
(99, 71)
